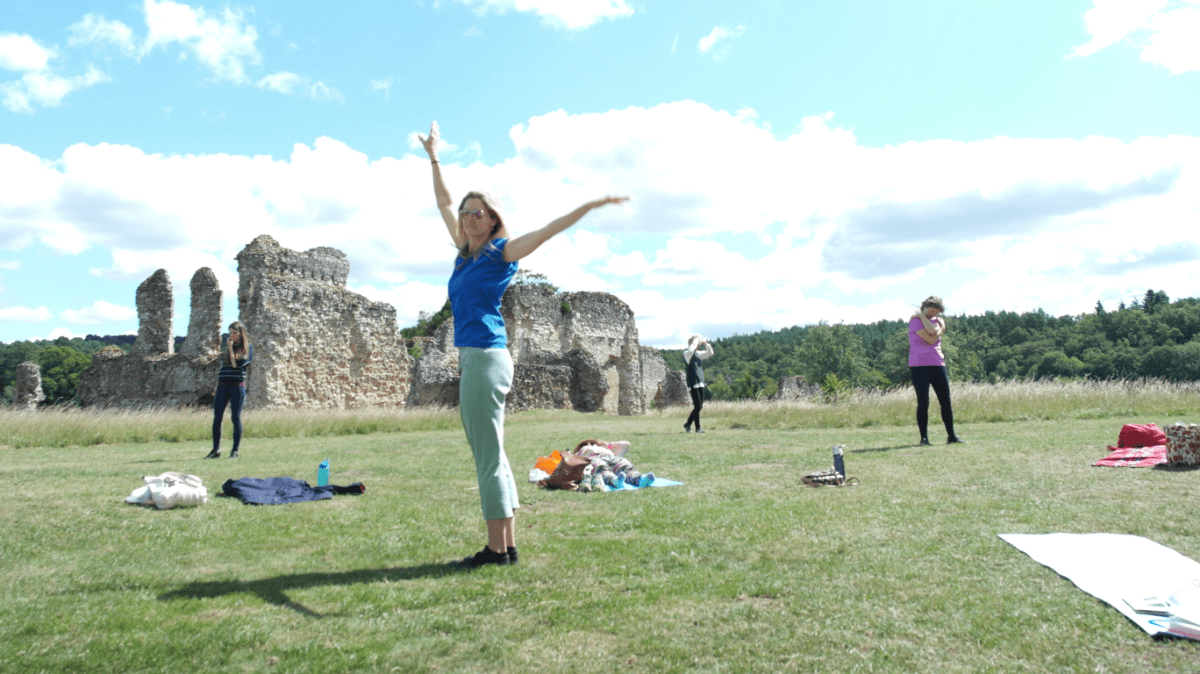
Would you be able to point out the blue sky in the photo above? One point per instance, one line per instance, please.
(788, 161)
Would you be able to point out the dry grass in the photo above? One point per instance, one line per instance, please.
(69, 426)
(1023, 400)
(1143, 399)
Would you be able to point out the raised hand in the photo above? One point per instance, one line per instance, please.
(430, 142)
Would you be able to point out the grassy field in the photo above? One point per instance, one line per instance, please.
(741, 569)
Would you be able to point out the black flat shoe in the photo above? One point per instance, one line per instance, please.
(233, 454)
(215, 454)
(924, 442)
(513, 557)
(482, 558)
(688, 429)
(955, 440)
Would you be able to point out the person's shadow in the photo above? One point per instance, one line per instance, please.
(881, 449)
(274, 590)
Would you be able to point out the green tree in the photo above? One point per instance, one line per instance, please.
(61, 367)
(833, 349)
(1154, 301)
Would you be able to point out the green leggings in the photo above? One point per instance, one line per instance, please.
(486, 378)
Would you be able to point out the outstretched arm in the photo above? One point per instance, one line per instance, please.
(527, 243)
(444, 203)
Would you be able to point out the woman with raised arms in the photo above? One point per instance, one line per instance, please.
(485, 263)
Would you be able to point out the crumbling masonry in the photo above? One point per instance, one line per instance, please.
(317, 344)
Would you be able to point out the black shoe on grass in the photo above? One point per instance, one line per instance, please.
(954, 439)
(924, 442)
(215, 454)
(513, 558)
(482, 558)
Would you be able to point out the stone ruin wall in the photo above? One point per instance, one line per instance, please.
(151, 375)
(596, 329)
(797, 388)
(575, 351)
(317, 344)
(27, 387)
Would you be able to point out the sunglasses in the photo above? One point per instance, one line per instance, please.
(477, 213)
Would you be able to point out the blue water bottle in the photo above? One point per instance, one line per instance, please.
(323, 473)
(838, 462)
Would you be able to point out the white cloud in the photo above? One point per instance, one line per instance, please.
(224, 43)
(288, 83)
(46, 89)
(1166, 31)
(568, 14)
(756, 231)
(716, 42)
(94, 29)
(23, 53)
(38, 85)
(99, 312)
(1174, 39)
(10, 265)
(24, 314)
(384, 85)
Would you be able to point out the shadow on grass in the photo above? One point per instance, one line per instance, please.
(882, 449)
(1175, 468)
(274, 590)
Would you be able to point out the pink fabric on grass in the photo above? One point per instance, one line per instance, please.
(1134, 457)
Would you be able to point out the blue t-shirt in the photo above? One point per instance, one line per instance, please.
(476, 287)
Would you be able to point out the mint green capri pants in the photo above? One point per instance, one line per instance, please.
(486, 379)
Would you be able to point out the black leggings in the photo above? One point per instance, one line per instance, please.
(697, 405)
(233, 396)
(922, 378)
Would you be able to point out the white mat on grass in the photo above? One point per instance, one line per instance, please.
(1113, 568)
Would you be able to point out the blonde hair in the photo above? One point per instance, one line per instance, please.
(493, 209)
(243, 343)
(933, 301)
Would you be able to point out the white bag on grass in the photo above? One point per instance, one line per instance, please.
(169, 490)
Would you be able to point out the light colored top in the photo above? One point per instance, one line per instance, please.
(701, 353)
(920, 353)
(476, 287)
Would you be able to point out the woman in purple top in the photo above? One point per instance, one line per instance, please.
(485, 264)
(928, 366)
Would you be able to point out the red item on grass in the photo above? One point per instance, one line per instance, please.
(1134, 457)
(1137, 435)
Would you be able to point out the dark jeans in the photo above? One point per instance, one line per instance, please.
(922, 378)
(234, 396)
(697, 405)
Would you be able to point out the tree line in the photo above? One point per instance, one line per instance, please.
(1152, 337)
(61, 361)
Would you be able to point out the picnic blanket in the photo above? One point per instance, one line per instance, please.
(1122, 571)
(277, 490)
(1134, 457)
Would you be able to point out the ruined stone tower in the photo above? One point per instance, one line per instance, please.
(316, 344)
(150, 375)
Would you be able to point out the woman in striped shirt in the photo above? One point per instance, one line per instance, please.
(231, 387)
